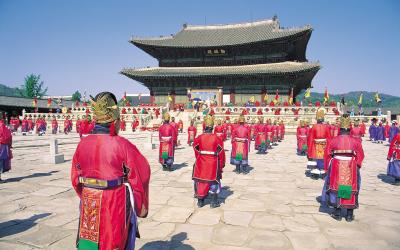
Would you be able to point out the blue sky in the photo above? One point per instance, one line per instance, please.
(82, 45)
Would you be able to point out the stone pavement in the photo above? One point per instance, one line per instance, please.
(273, 207)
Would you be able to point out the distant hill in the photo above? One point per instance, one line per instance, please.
(7, 91)
(351, 98)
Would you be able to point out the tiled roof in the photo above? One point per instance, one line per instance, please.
(271, 68)
(223, 35)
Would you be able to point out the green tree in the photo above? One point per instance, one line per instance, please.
(33, 87)
(76, 96)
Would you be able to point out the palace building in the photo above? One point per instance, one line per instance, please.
(232, 63)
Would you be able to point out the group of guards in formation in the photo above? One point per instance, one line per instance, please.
(209, 149)
(335, 153)
(111, 177)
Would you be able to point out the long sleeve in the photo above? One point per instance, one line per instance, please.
(221, 153)
(327, 156)
(139, 178)
(359, 153)
(75, 173)
(391, 148)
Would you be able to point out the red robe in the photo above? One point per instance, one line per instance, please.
(318, 137)
(157, 113)
(30, 124)
(334, 129)
(281, 131)
(301, 138)
(363, 129)
(77, 125)
(105, 214)
(122, 125)
(210, 161)
(260, 135)
(240, 142)
(192, 132)
(166, 134)
(253, 128)
(227, 113)
(387, 129)
(270, 132)
(355, 132)
(394, 149)
(219, 131)
(343, 155)
(180, 125)
(5, 139)
(135, 124)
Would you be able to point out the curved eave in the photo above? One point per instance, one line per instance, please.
(169, 42)
(224, 71)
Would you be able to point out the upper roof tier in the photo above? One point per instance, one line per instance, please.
(223, 35)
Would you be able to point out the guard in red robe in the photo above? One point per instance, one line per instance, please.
(166, 134)
(240, 147)
(301, 136)
(111, 178)
(157, 112)
(318, 137)
(122, 124)
(260, 143)
(77, 125)
(275, 133)
(229, 129)
(227, 113)
(269, 131)
(343, 159)
(66, 125)
(54, 126)
(394, 160)
(282, 130)
(387, 129)
(219, 130)
(355, 131)
(192, 132)
(363, 128)
(180, 126)
(210, 161)
(5, 147)
(24, 126)
(135, 124)
(31, 124)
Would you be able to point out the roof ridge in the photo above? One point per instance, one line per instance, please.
(230, 25)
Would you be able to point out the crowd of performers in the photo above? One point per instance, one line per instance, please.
(209, 148)
(113, 188)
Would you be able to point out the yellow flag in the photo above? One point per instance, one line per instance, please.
(252, 99)
(266, 97)
(169, 98)
(307, 94)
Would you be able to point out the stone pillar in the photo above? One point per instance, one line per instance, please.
(54, 157)
(220, 96)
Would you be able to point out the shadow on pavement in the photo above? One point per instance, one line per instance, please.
(176, 242)
(18, 226)
(35, 175)
(179, 166)
(386, 179)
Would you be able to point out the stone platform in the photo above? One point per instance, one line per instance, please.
(273, 207)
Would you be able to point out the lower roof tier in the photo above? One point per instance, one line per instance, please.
(240, 70)
(243, 79)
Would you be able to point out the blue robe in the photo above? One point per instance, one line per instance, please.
(380, 133)
(372, 132)
(394, 130)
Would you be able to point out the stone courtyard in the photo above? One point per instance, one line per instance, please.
(273, 207)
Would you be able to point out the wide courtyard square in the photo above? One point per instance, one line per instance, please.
(272, 207)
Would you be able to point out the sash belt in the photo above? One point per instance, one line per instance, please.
(240, 139)
(303, 136)
(320, 140)
(101, 184)
(203, 152)
(342, 158)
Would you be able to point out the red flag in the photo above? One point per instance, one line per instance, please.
(326, 96)
(49, 102)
